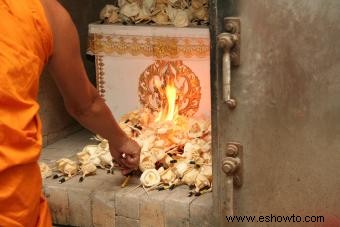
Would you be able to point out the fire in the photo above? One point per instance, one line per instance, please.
(167, 132)
(169, 111)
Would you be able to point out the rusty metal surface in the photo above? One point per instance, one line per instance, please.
(221, 199)
(288, 114)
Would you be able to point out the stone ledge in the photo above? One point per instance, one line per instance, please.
(100, 201)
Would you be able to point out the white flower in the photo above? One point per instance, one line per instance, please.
(121, 3)
(83, 156)
(168, 176)
(189, 177)
(149, 5)
(196, 4)
(107, 11)
(130, 10)
(180, 168)
(201, 182)
(88, 168)
(191, 151)
(201, 13)
(103, 145)
(150, 177)
(172, 12)
(91, 149)
(206, 170)
(148, 143)
(181, 19)
(158, 153)
(45, 170)
(147, 161)
(67, 166)
(105, 158)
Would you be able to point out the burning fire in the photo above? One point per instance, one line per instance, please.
(169, 109)
(175, 147)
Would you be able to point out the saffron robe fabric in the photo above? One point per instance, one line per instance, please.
(25, 46)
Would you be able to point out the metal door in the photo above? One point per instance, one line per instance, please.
(287, 114)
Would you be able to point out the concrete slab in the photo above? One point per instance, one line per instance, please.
(66, 147)
(103, 208)
(177, 208)
(201, 211)
(152, 209)
(126, 222)
(128, 200)
(58, 202)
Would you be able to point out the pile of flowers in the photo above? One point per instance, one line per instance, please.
(180, 13)
(173, 152)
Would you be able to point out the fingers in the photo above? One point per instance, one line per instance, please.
(125, 162)
(127, 156)
(119, 161)
(130, 161)
(126, 171)
(133, 160)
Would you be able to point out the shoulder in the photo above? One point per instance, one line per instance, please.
(65, 34)
(54, 11)
(58, 18)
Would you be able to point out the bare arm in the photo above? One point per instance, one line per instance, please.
(80, 97)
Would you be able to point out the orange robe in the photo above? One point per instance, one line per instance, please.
(25, 46)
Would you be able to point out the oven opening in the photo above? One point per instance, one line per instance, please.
(171, 127)
(156, 81)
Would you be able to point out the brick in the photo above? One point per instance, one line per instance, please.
(57, 198)
(80, 199)
(103, 209)
(127, 201)
(105, 196)
(177, 207)
(103, 202)
(126, 222)
(201, 211)
(152, 209)
(80, 207)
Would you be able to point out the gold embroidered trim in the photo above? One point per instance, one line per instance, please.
(100, 75)
(159, 47)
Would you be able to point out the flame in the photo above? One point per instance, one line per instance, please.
(169, 111)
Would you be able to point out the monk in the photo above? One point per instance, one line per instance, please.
(35, 33)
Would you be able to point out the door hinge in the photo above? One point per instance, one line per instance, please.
(232, 163)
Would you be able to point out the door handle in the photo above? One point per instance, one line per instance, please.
(229, 41)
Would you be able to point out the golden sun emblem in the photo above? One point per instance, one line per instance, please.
(157, 77)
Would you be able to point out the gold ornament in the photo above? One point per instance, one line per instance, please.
(153, 80)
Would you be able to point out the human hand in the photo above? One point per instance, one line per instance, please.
(126, 155)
